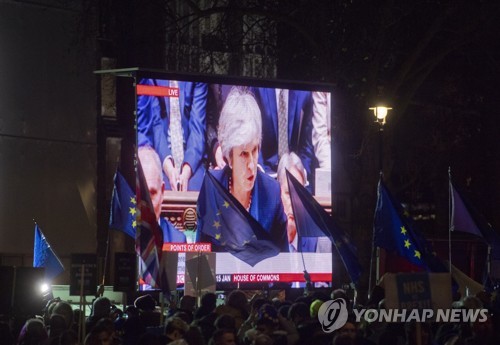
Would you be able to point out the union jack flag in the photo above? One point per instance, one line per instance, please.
(149, 236)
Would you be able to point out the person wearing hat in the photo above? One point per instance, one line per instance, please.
(147, 307)
(101, 308)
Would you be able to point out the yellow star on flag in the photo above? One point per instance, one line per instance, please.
(407, 243)
(417, 254)
(226, 204)
(216, 224)
(132, 200)
(217, 236)
(134, 223)
(403, 230)
(132, 211)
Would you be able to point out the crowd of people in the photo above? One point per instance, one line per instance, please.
(243, 319)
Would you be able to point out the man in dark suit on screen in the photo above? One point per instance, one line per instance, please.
(286, 127)
(174, 126)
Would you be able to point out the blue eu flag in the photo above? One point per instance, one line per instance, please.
(44, 256)
(229, 226)
(313, 221)
(123, 206)
(394, 232)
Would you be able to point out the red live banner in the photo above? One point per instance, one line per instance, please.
(187, 247)
(159, 91)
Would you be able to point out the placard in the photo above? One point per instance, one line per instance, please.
(168, 270)
(417, 290)
(200, 274)
(125, 272)
(83, 266)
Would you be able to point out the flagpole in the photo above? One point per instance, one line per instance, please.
(371, 265)
(198, 273)
(307, 277)
(81, 321)
(162, 307)
(303, 261)
(375, 250)
(106, 257)
(376, 253)
(450, 213)
(377, 261)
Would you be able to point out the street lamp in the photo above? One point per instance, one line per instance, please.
(380, 113)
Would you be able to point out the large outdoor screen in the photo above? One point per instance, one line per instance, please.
(215, 155)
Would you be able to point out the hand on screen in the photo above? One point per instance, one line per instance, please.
(291, 227)
(221, 163)
(307, 277)
(171, 172)
(184, 177)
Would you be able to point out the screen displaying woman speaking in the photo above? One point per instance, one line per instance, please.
(256, 157)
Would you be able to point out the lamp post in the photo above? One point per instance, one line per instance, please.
(380, 113)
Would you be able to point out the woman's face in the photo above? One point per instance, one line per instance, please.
(244, 165)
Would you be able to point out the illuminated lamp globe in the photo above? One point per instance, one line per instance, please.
(380, 113)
